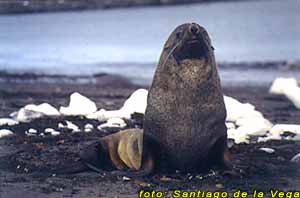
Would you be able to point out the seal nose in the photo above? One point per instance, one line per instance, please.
(194, 29)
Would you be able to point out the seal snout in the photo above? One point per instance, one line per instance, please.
(194, 29)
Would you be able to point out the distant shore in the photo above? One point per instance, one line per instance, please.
(32, 6)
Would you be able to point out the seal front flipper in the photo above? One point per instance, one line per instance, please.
(122, 153)
(147, 169)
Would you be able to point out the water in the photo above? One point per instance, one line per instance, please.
(129, 41)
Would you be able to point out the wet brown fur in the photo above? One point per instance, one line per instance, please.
(185, 113)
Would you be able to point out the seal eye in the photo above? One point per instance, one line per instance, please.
(178, 35)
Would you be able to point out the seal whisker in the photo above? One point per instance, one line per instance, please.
(171, 52)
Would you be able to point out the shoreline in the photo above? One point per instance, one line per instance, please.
(257, 74)
(38, 6)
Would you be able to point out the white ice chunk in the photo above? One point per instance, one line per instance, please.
(88, 128)
(254, 121)
(280, 128)
(254, 126)
(243, 133)
(293, 94)
(113, 122)
(279, 85)
(268, 150)
(31, 111)
(5, 133)
(52, 131)
(287, 87)
(69, 125)
(277, 130)
(136, 103)
(236, 109)
(249, 121)
(79, 105)
(8, 121)
(230, 125)
(61, 126)
(31, 132)
(72, 126)
(43, 108)
(238, 136)
(24, 115)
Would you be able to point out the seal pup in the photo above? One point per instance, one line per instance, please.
(186, 113)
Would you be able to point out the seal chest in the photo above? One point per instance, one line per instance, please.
(185, 113)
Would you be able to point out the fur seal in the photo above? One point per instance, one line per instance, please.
(185, 113)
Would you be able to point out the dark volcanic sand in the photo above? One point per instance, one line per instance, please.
(25, 161)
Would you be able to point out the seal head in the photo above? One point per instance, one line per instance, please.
(189, 41)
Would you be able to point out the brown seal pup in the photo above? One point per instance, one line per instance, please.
(185, 113)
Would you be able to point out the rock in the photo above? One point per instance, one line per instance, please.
(79, 105)
(296, 158)
(230, 142)
(219, 186)
(124, 178)
(268, 150)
